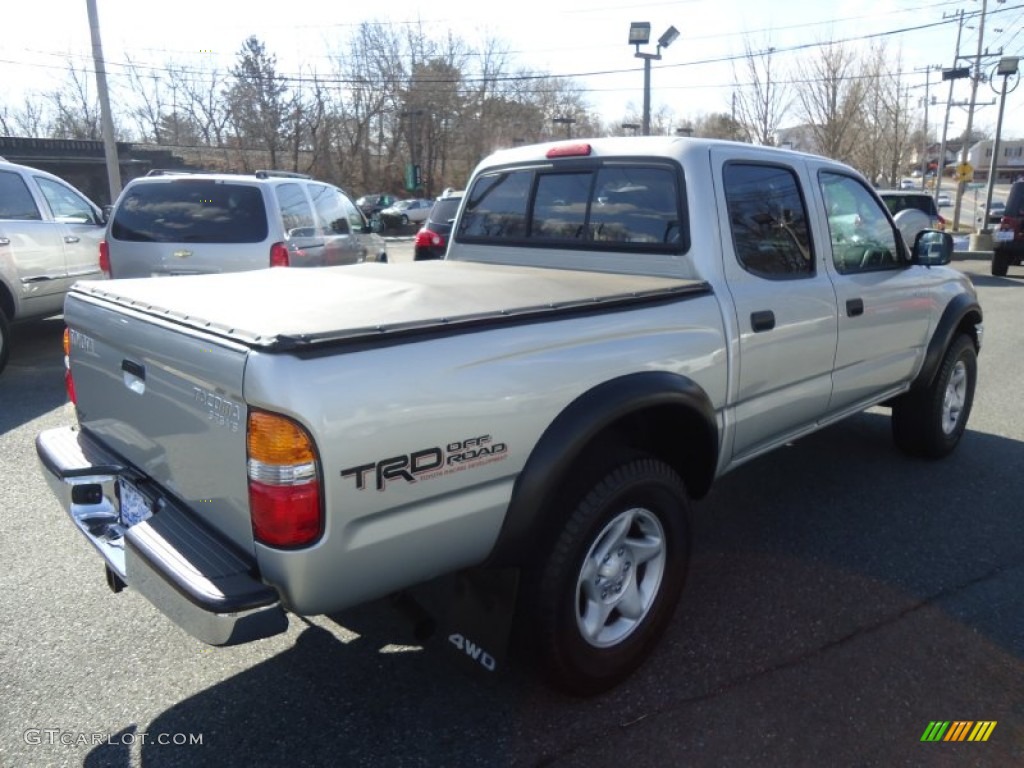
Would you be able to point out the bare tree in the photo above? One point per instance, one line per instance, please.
(762, 100)
(76, 112)
(831, 96)
(884, 146)
(206, 110)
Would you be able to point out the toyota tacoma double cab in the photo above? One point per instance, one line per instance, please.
(616, 323)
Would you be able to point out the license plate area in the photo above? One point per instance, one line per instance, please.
(134, 505)
(1004, 236)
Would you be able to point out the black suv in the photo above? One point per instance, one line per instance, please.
(1008, 245)
(431, 241)
(372, 205)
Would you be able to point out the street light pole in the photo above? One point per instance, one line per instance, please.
(1007, 66)
(640, 34)
(975, 77)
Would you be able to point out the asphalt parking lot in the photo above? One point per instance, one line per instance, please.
(842, 597)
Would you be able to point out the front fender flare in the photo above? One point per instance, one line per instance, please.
(962, 309)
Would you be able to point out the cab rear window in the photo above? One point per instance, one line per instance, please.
(191, 211)
(609, 207)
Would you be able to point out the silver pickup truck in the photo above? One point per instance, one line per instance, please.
(617, 323)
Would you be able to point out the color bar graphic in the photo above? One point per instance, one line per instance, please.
(958, 730)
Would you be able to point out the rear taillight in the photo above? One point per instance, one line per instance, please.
(69, 383)
(1012, 224)
(279, 255)
(105, 257)
(284, 482)
(427, 239)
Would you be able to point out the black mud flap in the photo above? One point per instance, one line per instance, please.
(467, 615)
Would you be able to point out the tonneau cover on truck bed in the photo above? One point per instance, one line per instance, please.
(287, 308)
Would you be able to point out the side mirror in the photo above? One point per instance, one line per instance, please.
(933, 248)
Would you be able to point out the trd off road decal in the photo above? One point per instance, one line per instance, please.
(428, 463)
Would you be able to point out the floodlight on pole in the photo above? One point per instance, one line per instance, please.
(640, 34)
(1007, 67)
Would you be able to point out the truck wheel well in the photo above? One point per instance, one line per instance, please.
(674, 435)
(677, 436)
(657, 414)
(6, 302)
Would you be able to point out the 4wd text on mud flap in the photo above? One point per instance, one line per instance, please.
(418, 465)
(474, 651)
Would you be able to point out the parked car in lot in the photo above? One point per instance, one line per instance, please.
(432, 239)
(405, 212)
(912, 211)
(943, 200)
(371, 205)
(49, 235)
(995, 215)
(171, 223)
(1008, 239)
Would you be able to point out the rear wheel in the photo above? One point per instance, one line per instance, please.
(1000, 263)
(5, 340)
(609, 586)
(929, 422)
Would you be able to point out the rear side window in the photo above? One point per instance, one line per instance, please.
(191, 211)
(296, 212)
(608, 207)
(498, 207)
(64, 203)
(444, 210)
(16, 201)
(768, 220)
(330, 210)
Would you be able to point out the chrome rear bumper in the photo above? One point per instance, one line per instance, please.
(176, 562)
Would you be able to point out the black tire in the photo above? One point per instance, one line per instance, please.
(5, 340)
(1000, 263)
(405, 220)
(590, 624)
(930, 422)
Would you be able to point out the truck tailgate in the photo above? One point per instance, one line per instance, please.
(168, 401)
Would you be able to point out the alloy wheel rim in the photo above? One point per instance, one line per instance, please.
(620, 577)
(955, 398)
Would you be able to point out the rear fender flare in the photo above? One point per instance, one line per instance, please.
(660, 413)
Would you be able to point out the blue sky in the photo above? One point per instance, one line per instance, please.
(570, 38)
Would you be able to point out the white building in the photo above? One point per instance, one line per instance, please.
(1009, 164)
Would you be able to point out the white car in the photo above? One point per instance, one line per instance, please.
(49, 238)
(943, 200)
(406, 212)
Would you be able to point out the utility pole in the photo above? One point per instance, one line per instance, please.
(924, 135)
(961, 185)
(950, 75)
(106, 121)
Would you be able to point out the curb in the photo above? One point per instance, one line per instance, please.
(972, 255)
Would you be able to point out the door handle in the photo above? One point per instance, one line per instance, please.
(70, 239)
(854, 307)
(763, 320)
